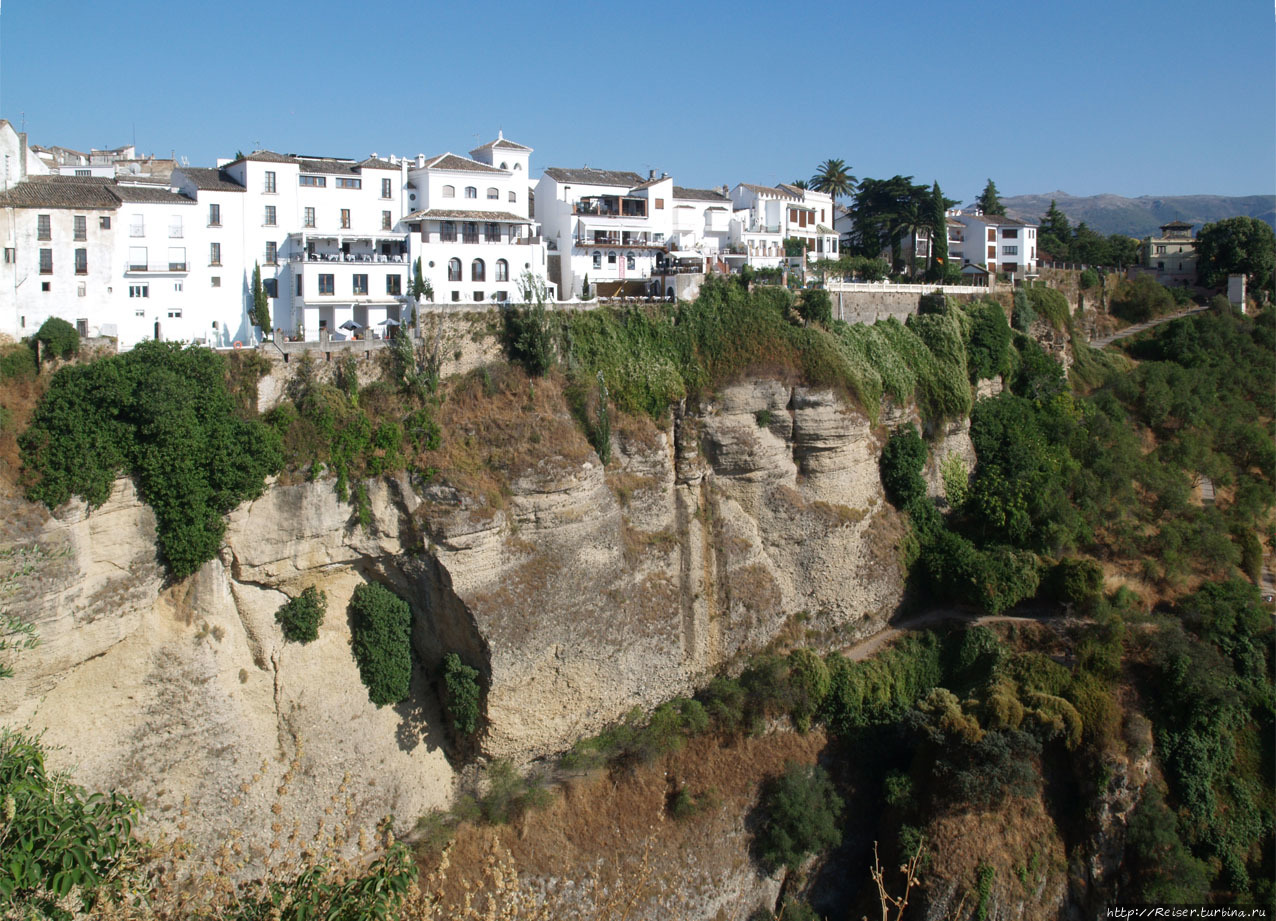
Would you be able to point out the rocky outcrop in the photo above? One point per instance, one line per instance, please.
(584, 592)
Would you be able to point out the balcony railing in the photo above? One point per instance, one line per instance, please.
(469, 238)
(596, 210)
(347, 257)
(131, 266)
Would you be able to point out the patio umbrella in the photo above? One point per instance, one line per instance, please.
(389, 321)
(350, 325)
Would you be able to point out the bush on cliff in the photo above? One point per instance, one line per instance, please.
(300, 618)
(461, 694)
(163, 414)
(382, 642)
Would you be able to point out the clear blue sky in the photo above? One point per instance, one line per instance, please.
(1138, 98)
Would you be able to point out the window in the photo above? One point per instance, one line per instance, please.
(992, 234)
(136, 226)
(471, 192)
(139, 312)
(630, 262)
(299, 285)
(345, 183)
(493, 193)
(456, 296)
(478, 271)
(518, 166)
(314, 182)
(1010, 251)
(46, 286)
(269, 220)
(385, 188)
(1160, 250)
(326, 284)
(215, 281)
(1010, 233)
(177, 287)
(104, 222)
(503, 166)
(308, 217)
(272, 252)
(139, 290)
(502, 270)
(360, 284)
(469, 232)
(46, 262)
(492, 231)
(501, 296)
(177, 259)
(175, 226)
(44, 227)
(81, 290)
(270, 181)
(386, 220)
(513, 196)
(214, 215)
(10, 255)
(449, 191)
(174, 313)
(447, 232)
(394, 285)
(454, 270)
(345, 218)
(81, 262)
(214, 254)
(82, 326)
(598, 260)
(137, 258)
(660, 204)
(81, 227)
(611, 258)
(478, 295)
(270, 286)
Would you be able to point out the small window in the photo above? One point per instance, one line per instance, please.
(326, 284)
(10, 255)
(394, 285)
(478, 295)
(104, 222)
(478, 271)
(598, 260)
(174, 313)
(660, 204)
(518, 166)
(299, 285)
(136, 226)
(308, 217)
(214, 215)
(493, 193)
(360, 284)
(456, 296)
(139, 290)
(345, 183)
(471, 192)
(502, 270)
(81, 290)
(46, 286)
(270, 181)
(214, 254)
(82, 326)
(345, 218)
(386, 220)
(270, 286)
(44, 227)
(630, 262)
(513, 196)
(177, 287)
(503, 166)
(215, 281)
(449, 191)
(611, 258)
(385, 188)
(272, 252)
(314, 182)
(81, 227)
(46, 262)
(81, 262)
(270, 216)
(139, 312)
(454, 270)
(1010, 251)
(1010, 233)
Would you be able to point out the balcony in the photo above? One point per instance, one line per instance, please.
(163, 268)
(352, 258)
(611, 206)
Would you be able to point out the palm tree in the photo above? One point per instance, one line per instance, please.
(799, 184)
(834, 178)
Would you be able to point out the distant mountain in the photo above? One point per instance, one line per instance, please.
(1140, 217)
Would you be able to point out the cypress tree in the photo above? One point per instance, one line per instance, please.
(261, 306)
(939, 230)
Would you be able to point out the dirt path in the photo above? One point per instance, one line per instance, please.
(1143, 327)
(871, 646)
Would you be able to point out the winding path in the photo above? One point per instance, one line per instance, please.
(1143, 327)
(872, 645)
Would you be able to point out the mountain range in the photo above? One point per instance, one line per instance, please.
(1141, 217)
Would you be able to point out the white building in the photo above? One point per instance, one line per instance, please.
(766, 216)
(999, 243)
(471, 223)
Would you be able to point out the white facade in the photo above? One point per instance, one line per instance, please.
(470, 224)
(766, 216)
(1000, 243)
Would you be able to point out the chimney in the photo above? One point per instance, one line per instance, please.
(664, 175)
(420, 160)
(374, 155)
(651, 174)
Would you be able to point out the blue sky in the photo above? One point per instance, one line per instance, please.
(1134, 98)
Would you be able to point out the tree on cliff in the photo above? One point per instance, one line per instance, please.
(1055, 234)
(1238, 245)
(988, 200)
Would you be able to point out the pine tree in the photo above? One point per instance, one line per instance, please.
(1055, 236)
(988, 201)
(261, 305)
(420, 287)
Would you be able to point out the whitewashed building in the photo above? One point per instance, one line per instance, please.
(470, 223)
(997, 242)
(765, 216)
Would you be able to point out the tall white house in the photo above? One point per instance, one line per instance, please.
(997, 242)
(765, 216)
(470, 223)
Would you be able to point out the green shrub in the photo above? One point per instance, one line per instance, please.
(988, 342)
(816, 306)
(1051, 305)
(898, 789)
(462, 694)
(901, 465)
(803, 814)
(1023, 316)
(382, 642)
(58, 338)
(163, 414)
(17, 362)
(808, 677)
(300, 617)
(1089, 278)
(1078, 582)
(1140, 299)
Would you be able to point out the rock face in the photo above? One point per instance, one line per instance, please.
(588, 592)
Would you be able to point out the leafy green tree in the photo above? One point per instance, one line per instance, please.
(1237, 246)
(261, 304)
(1089, 279)
(879, 214)
(462, 694)
(1090, 247)
(799, 184)
(1141, 299)
(58, 338)
(1055, 234)
(300, 617)
(802, 817)
(901, 466)
(816, 306)
(833, 177)
(1122, 250)
(988, 200)
(382, 642)
(988, 342)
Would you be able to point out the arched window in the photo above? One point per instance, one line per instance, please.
(454, 270)
(502, 270)
(478, 271)
(598, 259)
(493, 192)
(513, 196)
(449, 191)
(611, 258)
(630, 263)
(503, 166)
(471, 192)
(518, 166)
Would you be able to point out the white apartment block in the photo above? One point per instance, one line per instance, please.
(765, 216)
(999, 243)
(470, 223)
